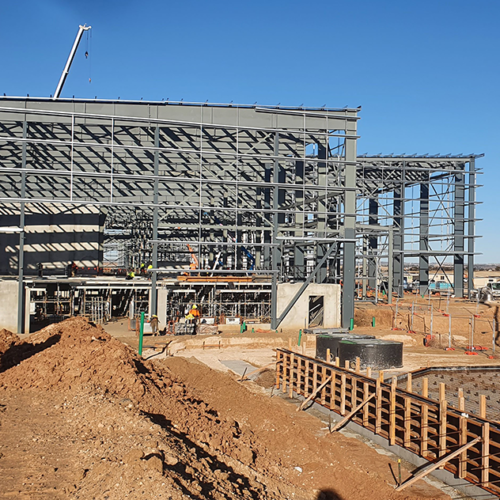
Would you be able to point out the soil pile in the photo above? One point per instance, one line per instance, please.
(87, 418)
(7, 339)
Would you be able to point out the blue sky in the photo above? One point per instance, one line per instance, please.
(426, 73)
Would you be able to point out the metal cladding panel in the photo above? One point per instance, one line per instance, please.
(379, 354)
(332, 341)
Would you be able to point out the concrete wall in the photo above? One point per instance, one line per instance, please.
(55, 239)
(162, 307)
(8, 305)
(299, 315)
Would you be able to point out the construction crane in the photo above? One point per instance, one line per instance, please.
(65, 72)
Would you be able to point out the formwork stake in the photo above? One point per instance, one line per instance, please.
(373, 321)
(300, 337)
(351, 326)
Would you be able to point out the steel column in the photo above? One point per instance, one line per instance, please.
(423, 260)
(471, 227)
(298, 248)
(154, 295)
(275, 253)
(372, 244)
(20, 290)
(398, 236)
(349, 248)
(458, 236)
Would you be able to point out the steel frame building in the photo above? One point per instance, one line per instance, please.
(278, 194)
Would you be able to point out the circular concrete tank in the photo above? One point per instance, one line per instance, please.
(376, 353)
(331, 341)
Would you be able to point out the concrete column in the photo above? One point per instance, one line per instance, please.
(459, 240)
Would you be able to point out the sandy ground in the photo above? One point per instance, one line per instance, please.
(82, 416)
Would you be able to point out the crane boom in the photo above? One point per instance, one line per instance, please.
(71, 56)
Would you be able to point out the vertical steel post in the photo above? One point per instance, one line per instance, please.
(156, 165)
(20, 290)
(275, 254)
(471, 226)
(399, 227)
(372, 243)
(458, 237)
(322, 211)
(298, 248)
(423, 260)
(349, 248)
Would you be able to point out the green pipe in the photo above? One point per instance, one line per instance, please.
(141, 334)
(300, 337)
(373, 321)
(351, 326)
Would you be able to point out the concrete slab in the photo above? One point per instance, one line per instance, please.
(240, 367)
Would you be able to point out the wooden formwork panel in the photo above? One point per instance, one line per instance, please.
(429, 428)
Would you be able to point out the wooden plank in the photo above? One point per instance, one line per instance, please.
(378, 407)
(436, 465)
(485, 473)
(292, 370)
(337, 362)
(315, 377)
(482, 406)
(304, 347)
(462, 436)
(314, 393)
(353, 412)
(328, 356)
(424, 428)
(332, 390)
(392, 417)
(358, 365)
(369, 372)
(443, 406)
(366, 408)
(347, 365)
(279, 357)
(307, 378)
(323, 391)
(343, 383)
(283, 380)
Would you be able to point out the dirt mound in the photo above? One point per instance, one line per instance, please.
(78, 356)
(7, 339)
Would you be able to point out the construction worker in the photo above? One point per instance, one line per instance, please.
(142, 269)
(130, 275)
(154, 324)
(195, 313)
(150, 268)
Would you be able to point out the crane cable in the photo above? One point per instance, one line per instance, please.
(88, 46)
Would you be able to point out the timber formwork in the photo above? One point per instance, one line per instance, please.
(239, 190)
(430, 428)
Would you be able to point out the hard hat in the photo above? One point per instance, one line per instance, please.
(155, 316)
(195, 306)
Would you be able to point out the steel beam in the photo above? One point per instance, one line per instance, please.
(399, 231)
